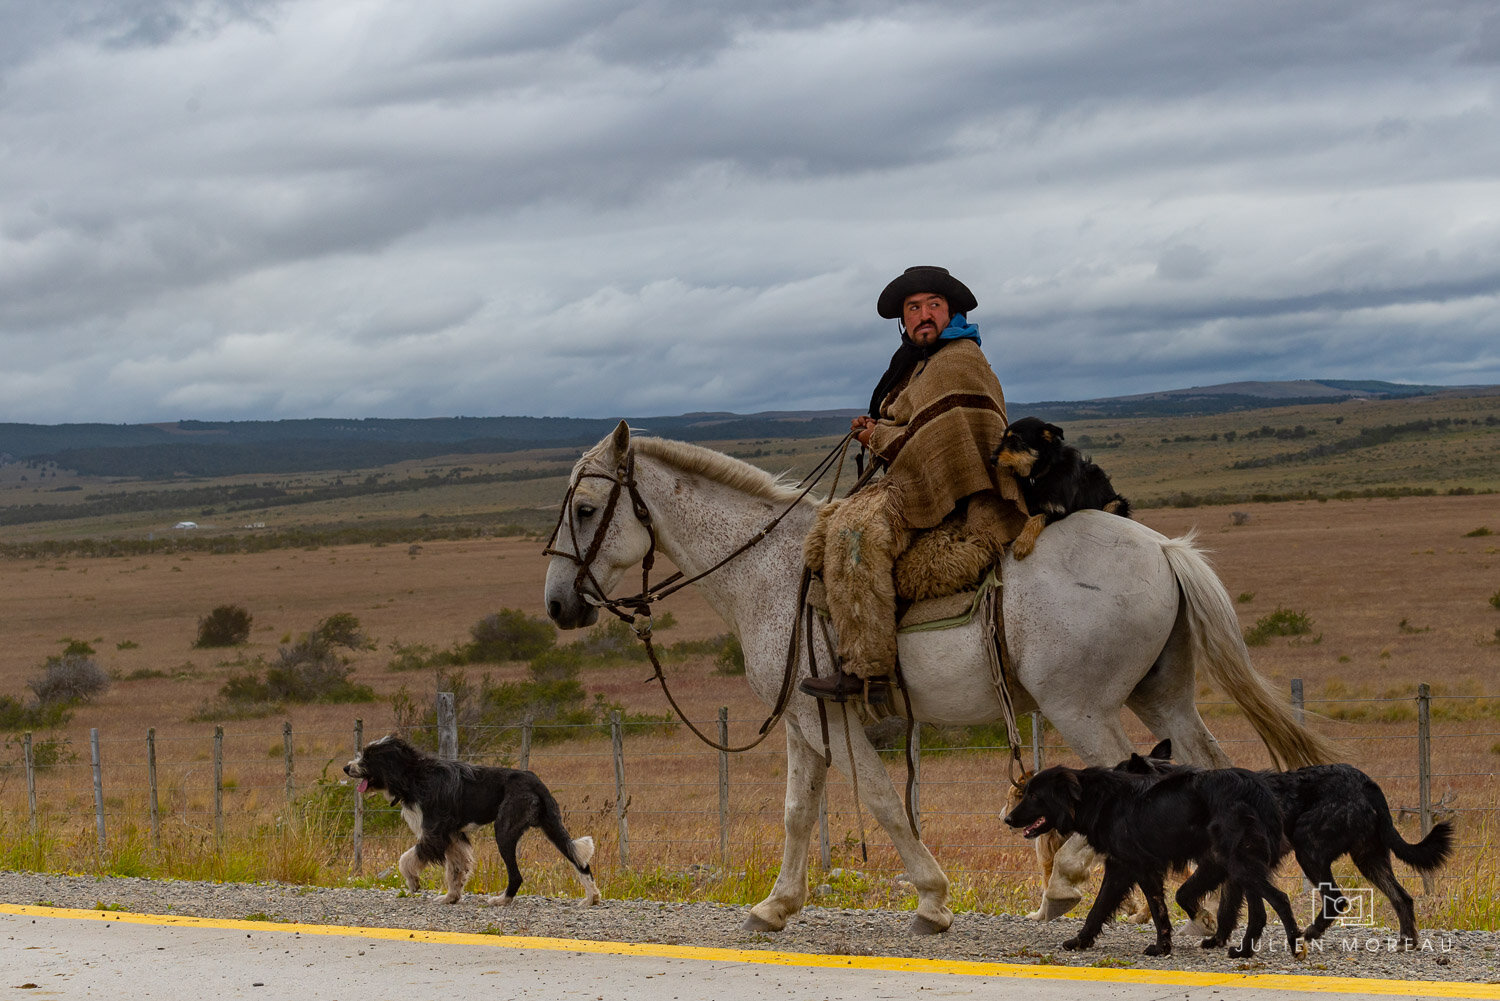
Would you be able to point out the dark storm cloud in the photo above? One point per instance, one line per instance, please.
(568, 207)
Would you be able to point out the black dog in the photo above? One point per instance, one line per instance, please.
(1056, 479)
(1330, 811)
(1145, 825)
(441, 801)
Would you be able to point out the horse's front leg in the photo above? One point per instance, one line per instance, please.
(880, 796)
(806, 778)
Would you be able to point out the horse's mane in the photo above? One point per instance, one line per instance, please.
(716, 466)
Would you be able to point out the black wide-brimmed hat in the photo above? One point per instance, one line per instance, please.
(925, 278)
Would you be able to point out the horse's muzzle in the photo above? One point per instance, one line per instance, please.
(572, 614)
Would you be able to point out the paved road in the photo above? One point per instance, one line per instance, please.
(82, 954)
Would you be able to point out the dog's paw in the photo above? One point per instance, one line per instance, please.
(1022, 547)
(1212, 942)
(1242, 951)
(591, 899)
(1157, 949)
(1074, 944)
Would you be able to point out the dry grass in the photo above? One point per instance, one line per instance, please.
(1357, 569)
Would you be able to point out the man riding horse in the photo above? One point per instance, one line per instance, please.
(935, 420)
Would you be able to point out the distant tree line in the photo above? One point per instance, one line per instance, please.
(251, 497)
(1365, 438)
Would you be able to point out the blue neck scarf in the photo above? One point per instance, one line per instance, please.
(960, 327)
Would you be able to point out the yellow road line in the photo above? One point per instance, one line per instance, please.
(893, 964)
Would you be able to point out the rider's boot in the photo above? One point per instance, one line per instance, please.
(841, 685)
(838, 686)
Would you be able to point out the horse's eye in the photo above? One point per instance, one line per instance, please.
(584, 511)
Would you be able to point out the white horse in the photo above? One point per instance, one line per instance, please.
(1104, 613)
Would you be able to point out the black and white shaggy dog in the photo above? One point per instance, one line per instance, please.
(1145, 825)
(1328, 811)
(443, 801)
(1055, 478)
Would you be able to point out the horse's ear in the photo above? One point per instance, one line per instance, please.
(621, 438)
(1162, 751)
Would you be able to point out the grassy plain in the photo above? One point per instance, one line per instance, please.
(1399, 590)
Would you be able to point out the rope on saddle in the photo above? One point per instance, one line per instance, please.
(1002, 669)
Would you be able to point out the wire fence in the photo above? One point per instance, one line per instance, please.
(654, 798)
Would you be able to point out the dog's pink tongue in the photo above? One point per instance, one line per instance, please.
(1031, 831)
(364, 784)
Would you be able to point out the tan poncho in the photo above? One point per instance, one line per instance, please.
(937, 433)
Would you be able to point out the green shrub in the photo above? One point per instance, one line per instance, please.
(490, 714)
(1478, 533)
(342, 629)
(16, 717)
(611, 642)
(509, 634)
(1280, 622)
(226, 625)
(410, 657)
(731, 658)
(1495, 600)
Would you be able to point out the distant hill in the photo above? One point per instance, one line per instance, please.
(222, 448)
(1232, 396)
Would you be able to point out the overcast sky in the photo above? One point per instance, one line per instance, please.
(372, 208)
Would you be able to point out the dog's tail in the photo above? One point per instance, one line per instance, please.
(1427, 854)
(1424, 856)
(1219, 648)
(583, 851)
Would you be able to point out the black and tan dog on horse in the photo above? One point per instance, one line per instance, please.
(1055, 478)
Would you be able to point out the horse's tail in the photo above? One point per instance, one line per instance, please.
(1220, 649)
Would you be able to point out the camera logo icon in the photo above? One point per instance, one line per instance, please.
(1347, 908)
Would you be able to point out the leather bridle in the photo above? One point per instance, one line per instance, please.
(622, 481)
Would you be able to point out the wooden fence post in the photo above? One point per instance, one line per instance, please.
(1299, 708)
(31, 783)
(286, 750)
(98, 786)
(151, 783)
(618, 738)
(1038, 726)
(1424, 766)
(359, 803)
(219, 785)
(723, 786)
(526, 724)
(447, 723)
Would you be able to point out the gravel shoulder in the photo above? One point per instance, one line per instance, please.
(1352, 952)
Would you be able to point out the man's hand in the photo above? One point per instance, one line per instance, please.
(861, 426)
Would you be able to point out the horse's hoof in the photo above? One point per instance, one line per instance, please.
(1053, 907)
(1203, 923)
(922, 925)
(757, 923)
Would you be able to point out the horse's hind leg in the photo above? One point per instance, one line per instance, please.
(1166, 701)
(806, 777)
